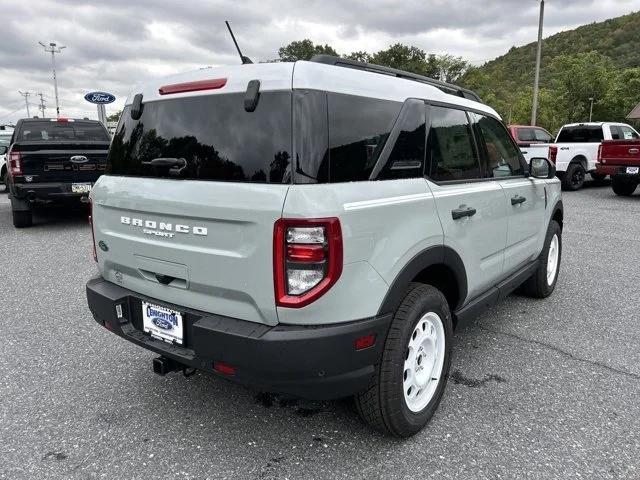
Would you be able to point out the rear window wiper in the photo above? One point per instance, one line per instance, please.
(166, 162)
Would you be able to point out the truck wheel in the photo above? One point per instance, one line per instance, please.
(598, 177)
(574, 178)
(623, 186)
(22, 218)
(3, 179)
(542, 283)
(412, 375)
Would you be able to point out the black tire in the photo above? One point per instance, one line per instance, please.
(574, 177)
(598, 177)
(383, 404)
(537, 285)
(22, 218)
(3, 180)
(623, 186)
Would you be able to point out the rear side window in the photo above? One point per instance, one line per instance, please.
(450, 148)
(206, 138)
(581, 134)
(526, 135)
(47, 131)
(616, 133)
(358, 130)
(502, 155)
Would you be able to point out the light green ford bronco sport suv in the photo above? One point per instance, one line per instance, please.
(316, 229)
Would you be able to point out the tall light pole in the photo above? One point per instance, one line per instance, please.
(536, 82)
(54, 48)
(26, 102)
(591, 109)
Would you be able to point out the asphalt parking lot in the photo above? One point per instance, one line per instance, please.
(539, 389)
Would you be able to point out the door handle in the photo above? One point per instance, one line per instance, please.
(517, 200)
(463, 211)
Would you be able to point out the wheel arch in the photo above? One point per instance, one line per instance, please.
(558, 213)
(439, 266)
(582, 160)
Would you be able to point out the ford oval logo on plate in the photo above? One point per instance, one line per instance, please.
(99, 97)
(162, 323)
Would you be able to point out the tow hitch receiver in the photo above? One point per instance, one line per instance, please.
(164, 365)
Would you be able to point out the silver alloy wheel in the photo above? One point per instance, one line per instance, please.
(552, 259)
(424, 362)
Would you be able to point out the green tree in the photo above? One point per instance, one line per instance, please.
(303, 50)
(114, 117)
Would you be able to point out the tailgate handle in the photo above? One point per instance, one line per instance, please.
(633, 151)
(164, 279)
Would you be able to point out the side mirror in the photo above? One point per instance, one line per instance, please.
(541, 168)
(3, 149)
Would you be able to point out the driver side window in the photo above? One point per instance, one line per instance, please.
(501, 154)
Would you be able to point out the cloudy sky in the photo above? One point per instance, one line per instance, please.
(113, 44)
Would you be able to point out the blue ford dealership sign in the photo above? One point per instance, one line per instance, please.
(99, 97)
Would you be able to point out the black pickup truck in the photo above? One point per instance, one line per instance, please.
(53, 160)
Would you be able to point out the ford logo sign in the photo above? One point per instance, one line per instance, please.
(99, 97)
(79, 159)
(162, 323)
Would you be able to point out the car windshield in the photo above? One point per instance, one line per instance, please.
(48, 131)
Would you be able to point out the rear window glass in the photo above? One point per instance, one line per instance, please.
(206, 138)
(47, 131)
(581, 134)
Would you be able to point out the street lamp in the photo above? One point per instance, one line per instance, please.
(54, 48)
(591, 109)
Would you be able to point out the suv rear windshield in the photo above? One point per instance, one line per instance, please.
(206, 138)
(48, 131)
(581, 134)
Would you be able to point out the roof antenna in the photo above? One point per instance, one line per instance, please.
(244, 59)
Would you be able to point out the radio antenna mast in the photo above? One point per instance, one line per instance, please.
(243, 59)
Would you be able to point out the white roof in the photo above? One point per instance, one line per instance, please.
(306, 75)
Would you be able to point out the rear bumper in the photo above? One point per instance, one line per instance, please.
(314, 362)
(614, 169)
(45, 191)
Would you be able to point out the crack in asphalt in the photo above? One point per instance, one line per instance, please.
(570, 355)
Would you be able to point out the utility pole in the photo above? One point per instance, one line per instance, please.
(42, 106)
(536, 82)
(591, 109)
(26, 102)
(54, 48)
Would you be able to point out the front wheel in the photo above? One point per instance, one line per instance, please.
(412, 375)
(574, 177)
(623, 186)
(542, 283)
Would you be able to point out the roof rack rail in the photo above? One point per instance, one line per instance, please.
(370, 67)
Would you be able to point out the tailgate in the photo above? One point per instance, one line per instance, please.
(616, 152)
(202, 245)
(70, 163)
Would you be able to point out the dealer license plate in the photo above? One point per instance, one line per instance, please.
(162, 323)
(633, 170)
(80, 187)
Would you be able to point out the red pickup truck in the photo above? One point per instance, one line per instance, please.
(621, 160)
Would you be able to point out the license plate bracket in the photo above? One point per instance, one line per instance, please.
(163, 323)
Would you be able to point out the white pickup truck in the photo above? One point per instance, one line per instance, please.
(575, 150)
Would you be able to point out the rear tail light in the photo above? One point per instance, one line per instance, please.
(307, 259)
(600, 154)
(212, 84)
(553, 154)
(224, 368)
(15, 163)
(93, 235)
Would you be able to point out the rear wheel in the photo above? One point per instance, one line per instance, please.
(22, 218)
(624, 186)
(574, 177)
(415, 364)
(542, 283)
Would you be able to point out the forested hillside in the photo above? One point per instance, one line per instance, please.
(599, 61)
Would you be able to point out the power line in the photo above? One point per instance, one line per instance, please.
(54, 48)
(26, 102)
